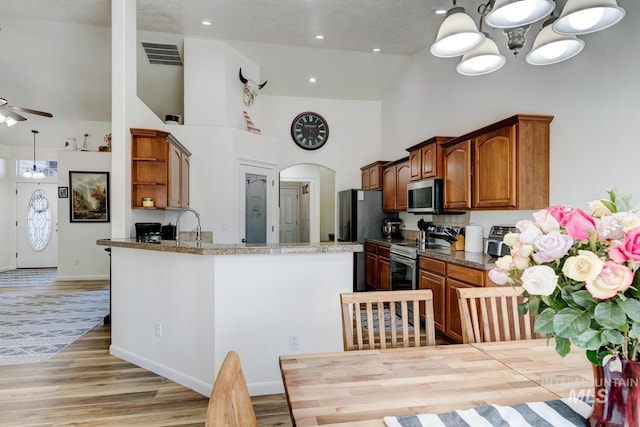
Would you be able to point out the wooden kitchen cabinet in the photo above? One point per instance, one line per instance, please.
(377, 270)
(159, 169)
(426, 159)
(502, 166)
(395, 177)
(372, 175)
(457, 175)
(431, 275)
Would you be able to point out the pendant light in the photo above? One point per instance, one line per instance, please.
(515, 13)
(35, 173)
(550, 47)
(484, 60)
(457, 35)
(588, 16)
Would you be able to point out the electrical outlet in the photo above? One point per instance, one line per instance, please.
(158, 329)
(294, 342)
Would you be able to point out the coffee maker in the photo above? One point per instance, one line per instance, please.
(391, 228)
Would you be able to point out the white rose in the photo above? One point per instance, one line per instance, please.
(504, 263)
(510, 239)
(529, 231)
(582, 267)
(631, 221)
(599, 209)
(546, 221)
(539, 280)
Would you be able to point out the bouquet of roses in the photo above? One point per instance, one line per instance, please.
(579, 277)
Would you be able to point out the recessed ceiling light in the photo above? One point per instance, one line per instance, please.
(312, 80)
(319, 36)
(376, 49)
(206, 23)
(440, 11)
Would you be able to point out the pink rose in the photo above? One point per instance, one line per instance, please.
(613, 278)
(578, 223)
(557, 212)
(616, 254)
(551, 247)
(630, 246)
(499, 276)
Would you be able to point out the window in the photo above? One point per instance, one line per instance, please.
(48, 167)
(38, 221)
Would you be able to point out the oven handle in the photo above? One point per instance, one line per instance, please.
(403, 260)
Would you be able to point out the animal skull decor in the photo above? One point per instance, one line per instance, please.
(250, 89)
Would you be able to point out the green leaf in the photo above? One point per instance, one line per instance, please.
(584, 299)
(589, 339)
(544, 322)
(631, 307)
(609, 315)
(563, 346)
(613, 336)
(592, 355)
(569, 323)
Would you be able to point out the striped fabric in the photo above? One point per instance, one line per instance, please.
(554, 413)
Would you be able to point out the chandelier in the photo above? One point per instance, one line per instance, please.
(35, 173)
(557, 41)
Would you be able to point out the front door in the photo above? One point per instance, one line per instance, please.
(36, 225)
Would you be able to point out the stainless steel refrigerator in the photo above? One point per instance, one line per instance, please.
(360, 216)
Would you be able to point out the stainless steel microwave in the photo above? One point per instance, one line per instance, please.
(426, 196)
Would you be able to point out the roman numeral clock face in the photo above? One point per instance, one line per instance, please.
(309, 130)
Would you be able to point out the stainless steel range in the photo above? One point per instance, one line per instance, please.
(404, 271)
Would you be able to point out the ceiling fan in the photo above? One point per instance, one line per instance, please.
(9, 114)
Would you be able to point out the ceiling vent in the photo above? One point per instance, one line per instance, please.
(163, 54)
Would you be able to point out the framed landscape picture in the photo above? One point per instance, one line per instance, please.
(89, 196)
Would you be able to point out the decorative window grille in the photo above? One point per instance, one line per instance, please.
(48, 167)
(38, 221)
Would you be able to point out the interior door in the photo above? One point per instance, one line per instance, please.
(36, 225)
(289, 217)
(256, 200)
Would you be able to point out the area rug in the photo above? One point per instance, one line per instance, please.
(28, 277)
(35, 326)
(387, 320)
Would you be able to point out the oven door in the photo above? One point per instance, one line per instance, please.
(403, 273)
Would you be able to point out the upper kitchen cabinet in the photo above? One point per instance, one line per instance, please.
(425, 158)
(159, 170)
(501, 166)
(372, 175)
(395, 177)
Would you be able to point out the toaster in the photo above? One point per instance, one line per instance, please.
(495, 247)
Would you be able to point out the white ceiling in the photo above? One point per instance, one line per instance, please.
(52, 68)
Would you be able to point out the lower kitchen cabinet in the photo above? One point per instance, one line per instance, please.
(453, 324)
(377, 267)
(431, 275)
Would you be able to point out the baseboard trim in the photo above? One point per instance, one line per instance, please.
(72, 278)
(255, 389)
(162, 370)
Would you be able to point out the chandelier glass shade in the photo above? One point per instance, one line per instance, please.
(555, 42)
(457, 35)
(516, 13)
(485, 59)
(588, 16)
(35, 173)
(7, 120)
(550, 47)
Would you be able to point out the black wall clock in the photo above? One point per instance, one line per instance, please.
(309, 130)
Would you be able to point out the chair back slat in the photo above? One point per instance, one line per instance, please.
(388, 321)
(230, 403)
(491, 314)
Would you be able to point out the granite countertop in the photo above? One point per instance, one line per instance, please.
(191, 247)
(469, 259)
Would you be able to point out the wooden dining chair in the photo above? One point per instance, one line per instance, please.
(491, 314)
(230, 404)
(367, 319)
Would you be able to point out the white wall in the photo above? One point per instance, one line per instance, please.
(79, 258)
(594, 98)
(6, 214)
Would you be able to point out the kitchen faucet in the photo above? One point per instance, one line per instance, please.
(198, 229)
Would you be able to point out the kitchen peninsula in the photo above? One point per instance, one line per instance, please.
(178, 309)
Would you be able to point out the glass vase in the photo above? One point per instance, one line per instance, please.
(617, 395)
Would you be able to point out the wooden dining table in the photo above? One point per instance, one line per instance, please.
(359, 388)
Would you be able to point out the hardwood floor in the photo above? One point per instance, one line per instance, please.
(85, 386)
